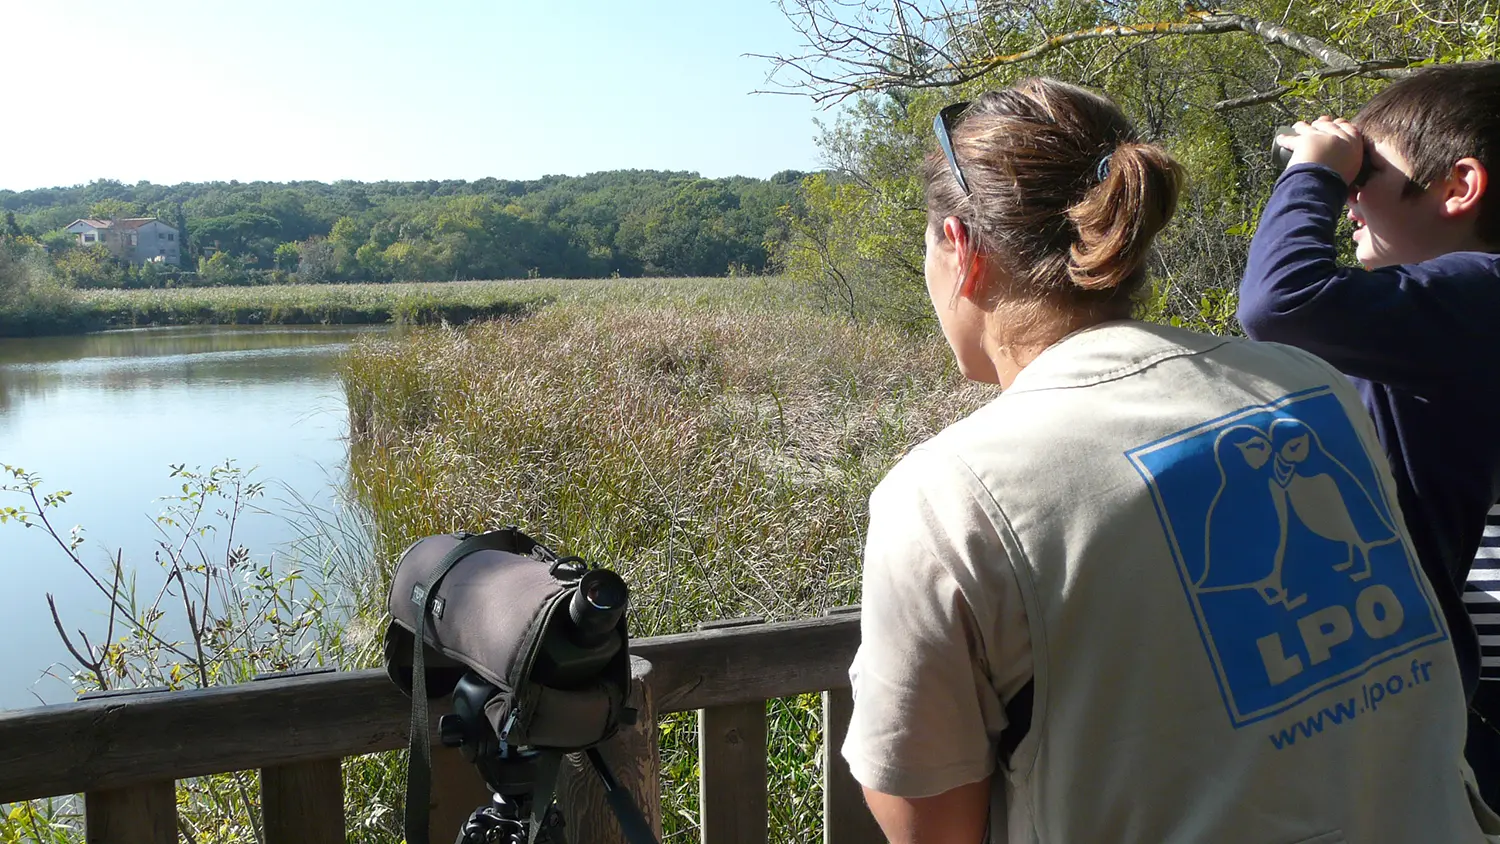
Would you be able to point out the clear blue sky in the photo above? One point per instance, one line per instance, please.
(202, 90)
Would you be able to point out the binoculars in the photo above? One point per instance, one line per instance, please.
(1280, 156)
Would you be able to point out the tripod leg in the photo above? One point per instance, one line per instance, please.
(474, 829)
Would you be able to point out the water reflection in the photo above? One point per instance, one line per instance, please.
(151, 359)
(174, 342)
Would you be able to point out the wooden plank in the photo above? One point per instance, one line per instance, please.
(726, 623)
(743, 664)
(633, 756)
(732, 781)
(846, 816)
(303, 802)
(111, 743)
(140, 814)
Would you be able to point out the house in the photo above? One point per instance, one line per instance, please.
(139, 240)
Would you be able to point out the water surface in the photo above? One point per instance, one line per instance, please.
(107, 415)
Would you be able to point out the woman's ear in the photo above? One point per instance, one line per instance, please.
(970, 261)
(1464, 187)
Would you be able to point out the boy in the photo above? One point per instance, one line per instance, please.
(1417, 329)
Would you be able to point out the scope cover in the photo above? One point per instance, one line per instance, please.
(491, 613)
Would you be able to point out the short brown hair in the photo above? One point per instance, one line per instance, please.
(1437, 116)
(1032, 156)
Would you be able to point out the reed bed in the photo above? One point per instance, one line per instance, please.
(718, 453)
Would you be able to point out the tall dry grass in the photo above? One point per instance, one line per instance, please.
(719, 455)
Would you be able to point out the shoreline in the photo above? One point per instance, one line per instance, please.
(395, 303)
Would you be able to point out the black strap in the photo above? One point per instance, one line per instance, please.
(419, 759)
(547, 763)
(632, 822)
(1018, 721)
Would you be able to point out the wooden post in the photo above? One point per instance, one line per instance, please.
(303, 803)
(732, 783)
(633, 756)
(138, 814)
(733, 806)
(846, 817)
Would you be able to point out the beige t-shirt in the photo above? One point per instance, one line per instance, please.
(943, 636)
(1192, 546)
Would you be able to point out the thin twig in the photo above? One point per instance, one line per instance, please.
(88, 663)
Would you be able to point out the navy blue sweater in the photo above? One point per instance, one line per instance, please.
(1421, 342)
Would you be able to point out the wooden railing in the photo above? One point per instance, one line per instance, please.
(124, 753)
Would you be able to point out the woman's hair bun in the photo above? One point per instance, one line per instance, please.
(1118, 219)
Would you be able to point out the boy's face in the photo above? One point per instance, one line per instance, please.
(1391, 228)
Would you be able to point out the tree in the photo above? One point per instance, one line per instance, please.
(567, 226)
(184, 234)
(1210, 85)
(345, 239)
(15, 274)
(853, 49)
(315, 261)
(221, 269)
(11, 228)
(109, 209)
(89, 267)
(58, 241)
(287, 257)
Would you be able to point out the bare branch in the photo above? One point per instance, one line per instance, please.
(1304, 44)
(867, 57)
(94, 665)
(1280, 91)
(1253, 99)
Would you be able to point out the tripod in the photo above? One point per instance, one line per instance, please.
(513, 773)
(505, 820)
(510, 772)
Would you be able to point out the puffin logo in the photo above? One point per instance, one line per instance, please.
(1287, 550)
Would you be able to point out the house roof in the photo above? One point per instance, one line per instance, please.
(126, 224)
(136, 222)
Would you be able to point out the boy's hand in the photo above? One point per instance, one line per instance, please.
(1335, 143)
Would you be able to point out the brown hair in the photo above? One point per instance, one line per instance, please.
(1437, 116)
(1032, 156)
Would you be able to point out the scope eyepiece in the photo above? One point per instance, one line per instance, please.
(597, 606)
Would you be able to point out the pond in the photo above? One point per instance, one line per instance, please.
(107, 415)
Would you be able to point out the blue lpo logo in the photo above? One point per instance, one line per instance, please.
(1288, 553)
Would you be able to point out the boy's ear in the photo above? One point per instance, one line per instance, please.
(1465, 187)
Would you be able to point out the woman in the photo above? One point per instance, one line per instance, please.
(1160, 589)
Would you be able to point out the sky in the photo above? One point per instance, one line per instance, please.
(205, 90)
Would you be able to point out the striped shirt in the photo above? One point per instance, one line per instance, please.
(1482, 597)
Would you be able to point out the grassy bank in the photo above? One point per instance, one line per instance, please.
(349, 304)
(718, 453)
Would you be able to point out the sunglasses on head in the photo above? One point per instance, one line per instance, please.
(942, 126)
